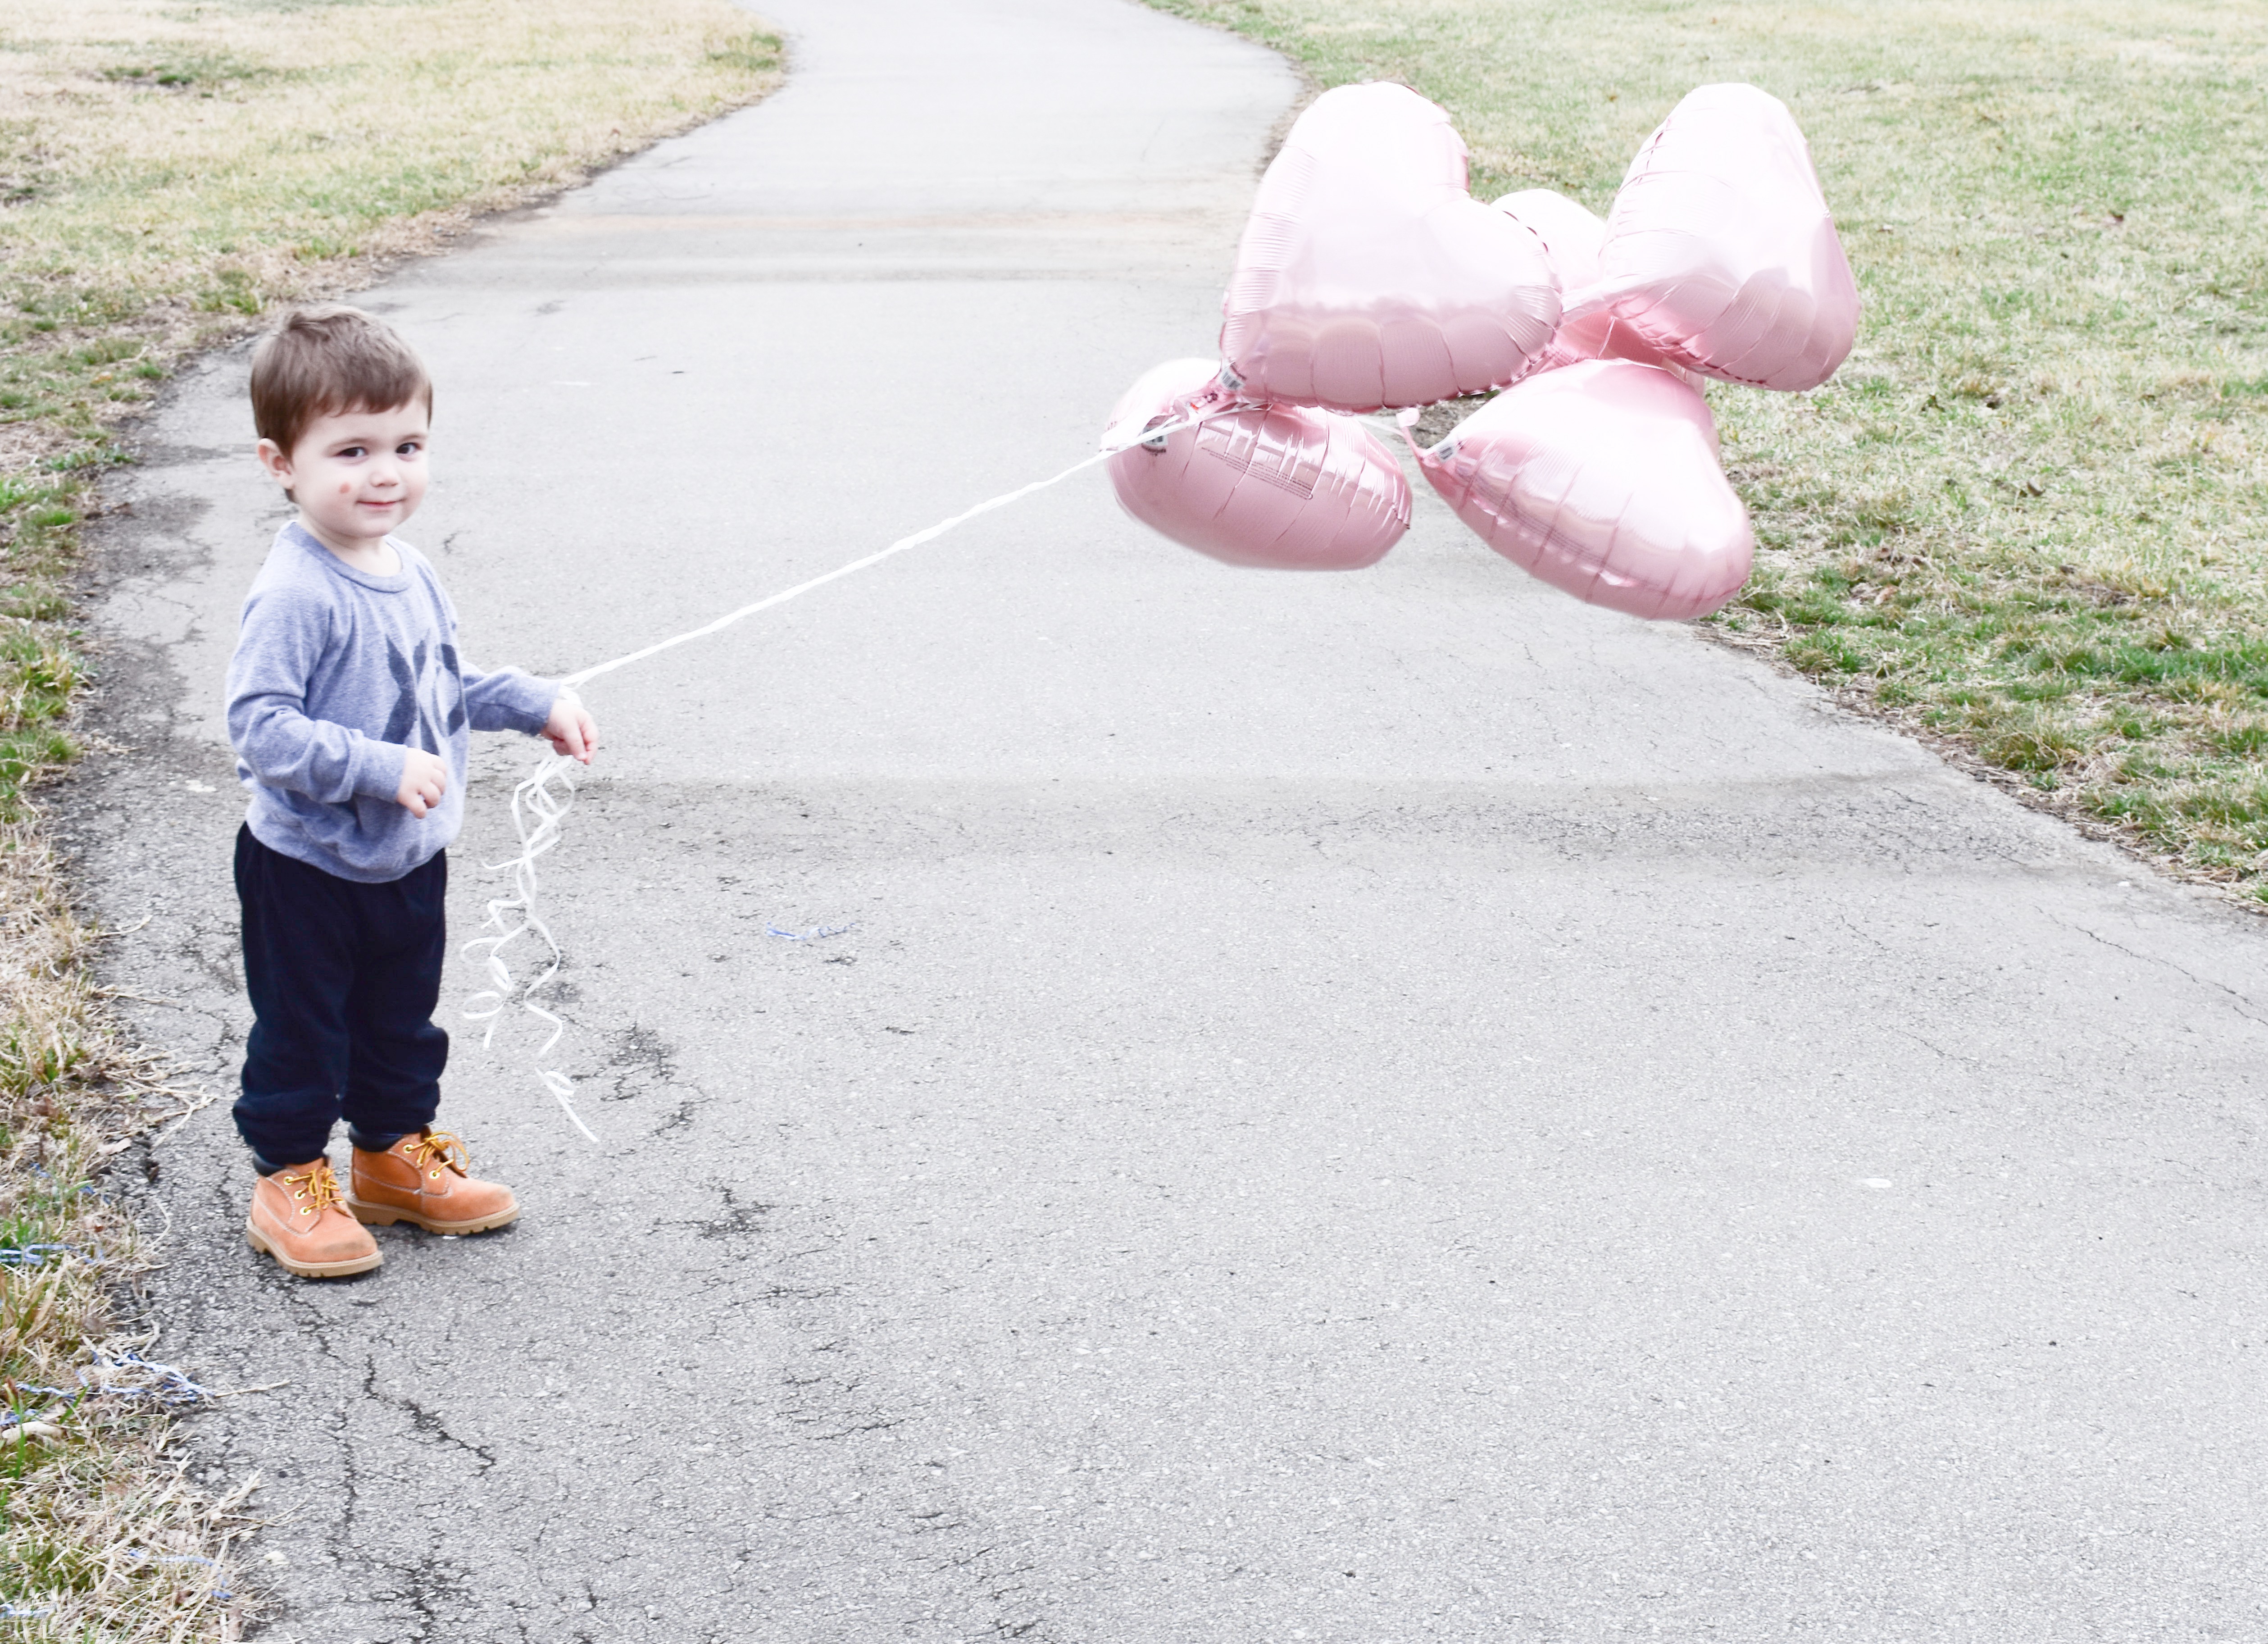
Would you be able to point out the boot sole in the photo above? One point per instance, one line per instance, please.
(386, 1215)
(312, 1270)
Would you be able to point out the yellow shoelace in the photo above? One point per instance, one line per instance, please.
(321, 1190)
(439, 1148)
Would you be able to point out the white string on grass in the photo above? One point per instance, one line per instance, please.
(541, 800)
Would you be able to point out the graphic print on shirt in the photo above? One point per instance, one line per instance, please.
(418, 707)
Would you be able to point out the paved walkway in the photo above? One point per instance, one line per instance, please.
(1357, 1109)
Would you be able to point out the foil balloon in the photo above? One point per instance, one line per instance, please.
(1721, 255)
(1573, 238)
(1281, 486)
(1601, 479)
(1572, 234)
(1369, 276)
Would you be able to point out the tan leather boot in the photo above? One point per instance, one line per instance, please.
(422, 1179)
(298, 1217)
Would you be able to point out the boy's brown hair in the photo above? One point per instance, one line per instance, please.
(326, 358)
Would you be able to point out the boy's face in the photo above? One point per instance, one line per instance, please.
(355, 475)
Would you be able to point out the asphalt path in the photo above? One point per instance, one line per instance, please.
(1360, 1108)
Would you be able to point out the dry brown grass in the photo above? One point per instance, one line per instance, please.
(171, 168)
(169, 171)
(100, 1536)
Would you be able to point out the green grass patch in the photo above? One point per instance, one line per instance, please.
(2036, 485)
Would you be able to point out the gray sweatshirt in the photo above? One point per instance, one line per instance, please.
(338, 673)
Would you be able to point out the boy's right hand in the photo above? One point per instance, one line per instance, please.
(425, 779)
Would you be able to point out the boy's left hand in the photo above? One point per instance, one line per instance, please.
(570, 730)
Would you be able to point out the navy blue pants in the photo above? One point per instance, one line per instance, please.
(344, 978)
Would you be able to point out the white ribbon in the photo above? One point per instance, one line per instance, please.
(540, 804)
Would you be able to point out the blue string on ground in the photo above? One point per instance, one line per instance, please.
(33, 1255)
(171, 1386)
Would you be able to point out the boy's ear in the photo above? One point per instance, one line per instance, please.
(277, 462)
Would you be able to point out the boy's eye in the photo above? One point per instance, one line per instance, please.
(408, 448)
(354, 451)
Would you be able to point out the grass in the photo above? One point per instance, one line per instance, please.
(2026, 514)
(170, 171)
(101, 1536)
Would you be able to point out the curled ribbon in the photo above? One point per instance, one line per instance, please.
(539, 805)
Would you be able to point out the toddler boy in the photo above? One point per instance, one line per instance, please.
(350, 712)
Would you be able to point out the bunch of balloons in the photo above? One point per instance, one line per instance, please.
(1369, 278)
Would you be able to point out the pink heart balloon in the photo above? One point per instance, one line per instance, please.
(1279, 486)
(1572, 234)
(1574, 238)
(1720, 254)
(1367, 276)
(1602, 480)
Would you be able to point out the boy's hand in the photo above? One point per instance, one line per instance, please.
(570, 730)
(425, 779)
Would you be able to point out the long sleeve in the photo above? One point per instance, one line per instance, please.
(280, 649)
(506, 699)
(340, 672)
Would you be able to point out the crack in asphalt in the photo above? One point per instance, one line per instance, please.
(2239, 998)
